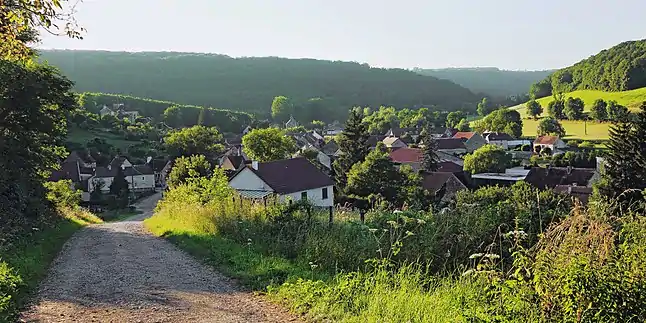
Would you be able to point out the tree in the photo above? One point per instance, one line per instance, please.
(430, 159)
(173, 117)
(454, 118)
(484, 107)
(534, 109)
(487, 159)
(19, 20)
(624, 173)
(617, 112)
(376, 175)
(268, 144)
(317, 125)
(120, 188)
(502, 120)
(599, 110)
(574, 108)
(463, 125)
(353, 144)
(550, 126)
(541, 89)
(196, 140)
(555, 109)
(282, 108)
(186, 168)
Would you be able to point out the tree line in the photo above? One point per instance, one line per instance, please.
(250, 84)
(619, 68)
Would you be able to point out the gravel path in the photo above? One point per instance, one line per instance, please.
(118, 272)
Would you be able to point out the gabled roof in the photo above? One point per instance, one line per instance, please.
(69, 170)
(236, 161)
(551, 177)
(117, 161)
(158, 164)
(450, 143)
(290, 175)
(449, 167)
(330, 148)
(435, 180)
(104, 172)
(546, 140)
(398, 132)
(81, 157)
(464, 134)
(389, 141)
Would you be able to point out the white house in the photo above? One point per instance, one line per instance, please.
(139, 177)
(294, 178)
(394, 142)
(554, 143)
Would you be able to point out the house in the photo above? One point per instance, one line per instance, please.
(107, 111)
(246, 130)
(550, 177)
(161, 168)
(472, 140)
(294, 179)
(330, 148)
(139, 177)
(451, 145)
(394, 142)
(231, 162)
(119, 161)
(499, 139)
(445, 184)
(374, 139)
(441, 132)
(581, 193)
(554, 143)
(85, 160)
(333, 130)
(318, 136)
(291, 123)
(129, 115)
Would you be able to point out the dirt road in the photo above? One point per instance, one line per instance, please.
(118, 272)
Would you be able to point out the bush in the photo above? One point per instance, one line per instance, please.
(9, 283)
(63, 194)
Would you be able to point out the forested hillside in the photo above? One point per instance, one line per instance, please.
(620, 68)
(250, 84)
(488, 80)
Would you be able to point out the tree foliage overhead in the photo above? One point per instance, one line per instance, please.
(250, 84)
(488, 80)
(487, 159)
(620, 68)
(196, 140)
(268, 144)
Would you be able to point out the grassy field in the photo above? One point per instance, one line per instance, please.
(577, 129)
(81, 136)
(25, 263)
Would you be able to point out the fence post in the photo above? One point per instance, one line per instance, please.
(362, 215)
(331, 215)
(264, 200)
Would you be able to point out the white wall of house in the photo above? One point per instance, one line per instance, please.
(504, 144)
(315, 196)
(247, 180)
(324, 159)
(137, 182)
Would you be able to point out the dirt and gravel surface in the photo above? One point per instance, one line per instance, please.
(119, 272)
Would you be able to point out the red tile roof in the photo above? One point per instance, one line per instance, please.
(406, 155)
(546, 140)
(464, 134)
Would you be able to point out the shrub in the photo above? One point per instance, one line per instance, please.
(62, 193)
(9, 283)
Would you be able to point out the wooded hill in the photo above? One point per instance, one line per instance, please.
(490, 81)
(250, 84)
(620, 68)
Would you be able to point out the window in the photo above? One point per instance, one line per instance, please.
(324, 193)
(143, 178)
(303, 195)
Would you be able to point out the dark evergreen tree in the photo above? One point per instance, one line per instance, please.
(119, 186)
(430, 159)
(353, 144)
(625, 162)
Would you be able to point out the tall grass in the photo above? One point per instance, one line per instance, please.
(24, 262)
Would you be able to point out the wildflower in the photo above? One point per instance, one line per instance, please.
(408, 234)
(476, 255)
(420, 221)
(397, 212)
(492, 256)
(249, 240)
(372, 230)
(468, 272)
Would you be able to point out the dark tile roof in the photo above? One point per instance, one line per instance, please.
(129, 171)
(236, 161)
(499, 136)
(291, 175)
(551, 177)
(449, 167)
(69, 170)
(330, 148)
(158, 164)
(80, 156)
(398, 132)
(450, 143)
(87, 170)
(141, 170)
(117, 161)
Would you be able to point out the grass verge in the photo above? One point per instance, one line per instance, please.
(25, 262)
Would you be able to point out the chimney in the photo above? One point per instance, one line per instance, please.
(254, 164)
(148, 159)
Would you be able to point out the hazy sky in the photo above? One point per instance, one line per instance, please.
(510, 34)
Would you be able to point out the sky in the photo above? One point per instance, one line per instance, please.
(508, 34)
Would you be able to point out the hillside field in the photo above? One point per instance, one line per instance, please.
(576, 129)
